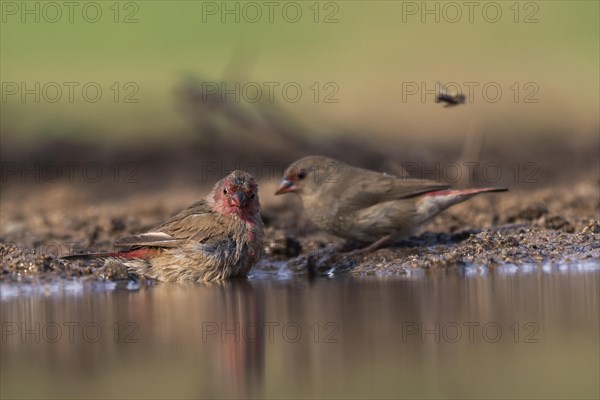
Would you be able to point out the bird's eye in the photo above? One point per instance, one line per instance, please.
(225, 191)
(302, 174)
(252, 196)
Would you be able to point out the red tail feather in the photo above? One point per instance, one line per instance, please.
(459, 192)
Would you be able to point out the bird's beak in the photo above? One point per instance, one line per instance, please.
(240, 199)
(285, 186)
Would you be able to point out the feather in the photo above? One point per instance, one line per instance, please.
(380, 188)
(154, 239)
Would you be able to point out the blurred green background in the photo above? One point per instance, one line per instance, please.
(372, 49)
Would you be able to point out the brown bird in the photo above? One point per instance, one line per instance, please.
(219, 237)
(367, 206)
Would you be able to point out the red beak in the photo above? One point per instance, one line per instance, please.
(285, 186)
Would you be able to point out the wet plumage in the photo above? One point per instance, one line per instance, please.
(216, 238)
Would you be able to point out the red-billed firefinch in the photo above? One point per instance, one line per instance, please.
(367, 206)
(219, 237)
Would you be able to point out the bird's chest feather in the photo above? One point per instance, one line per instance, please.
(253, 240)
(325, 216)
(247, 238)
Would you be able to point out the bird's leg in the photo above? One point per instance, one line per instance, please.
(373, 246)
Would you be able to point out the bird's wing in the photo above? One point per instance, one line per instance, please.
(378, 188)
(197, 222)
(154, 239)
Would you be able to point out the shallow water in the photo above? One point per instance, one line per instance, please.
(469, 332)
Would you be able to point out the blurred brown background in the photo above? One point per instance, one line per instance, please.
(158, 95)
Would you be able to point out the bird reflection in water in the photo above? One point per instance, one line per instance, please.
(241, 349)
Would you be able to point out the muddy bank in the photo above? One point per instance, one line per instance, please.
(522, 227)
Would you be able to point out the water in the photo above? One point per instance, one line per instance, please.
(473, 332)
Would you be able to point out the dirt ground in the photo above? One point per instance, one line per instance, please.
(539, 226)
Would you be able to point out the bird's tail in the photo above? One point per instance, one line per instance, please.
(142, 253)
(89, 256)
(464, 192)
(431, 203)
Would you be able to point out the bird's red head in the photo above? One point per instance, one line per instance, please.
(237, 194)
